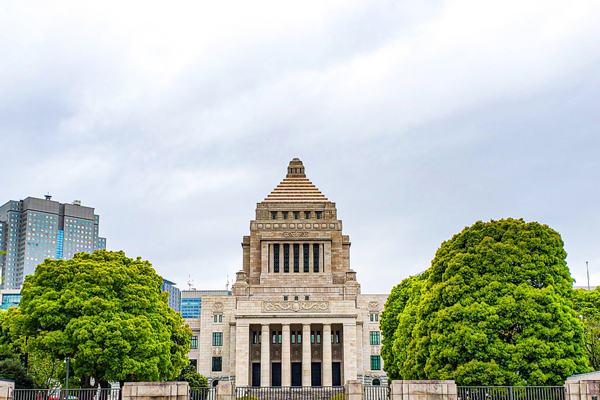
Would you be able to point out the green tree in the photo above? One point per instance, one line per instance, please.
(106, 312)
(11, 360)
(190, 375)
(587, 304)
(494, 309)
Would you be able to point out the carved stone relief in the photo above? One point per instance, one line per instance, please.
(295, 306)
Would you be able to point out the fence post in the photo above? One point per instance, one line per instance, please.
(583, 387)
(354, 390)
(7, 388)
(156, 391)
(225, 390)
(423, 390)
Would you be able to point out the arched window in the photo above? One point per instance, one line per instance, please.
(215, 383)
(376, 382)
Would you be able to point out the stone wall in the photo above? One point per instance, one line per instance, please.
(156, 391)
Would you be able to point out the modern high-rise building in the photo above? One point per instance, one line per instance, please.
(33, 230)
(174, 294)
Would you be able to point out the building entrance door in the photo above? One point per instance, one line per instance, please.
(336, 374)
(256, 374)
(315, 374)
(276, 374)
(296, 374)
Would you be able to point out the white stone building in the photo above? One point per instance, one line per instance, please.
(296, 316)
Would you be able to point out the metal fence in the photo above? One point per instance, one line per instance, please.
(511, 393)
(203, 393)
(290, 393)
(64, 394)
(377, 393)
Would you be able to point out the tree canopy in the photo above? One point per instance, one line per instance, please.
(494, 308)
(587, 304)
(106, 312)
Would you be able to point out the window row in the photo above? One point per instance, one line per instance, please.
(295, 214)
(295, 337)
(278, 249)
(306, 298)
(374, 317)
(218, 318)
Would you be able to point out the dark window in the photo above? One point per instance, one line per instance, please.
(220, 318)
(306, 250)
(194, 362)
(275, 258)
(215, 318)
(285, 298)
(194, 342)
(376, 317)
(372, 317)
(296, 214)
(279, 337)
(274, 337)
(337, 336)
(312, 336)
(375, 337)
(217, 364)
(318, 336)
(315, 258)
(293, 337)
(306, 298)
(217, 339)
(273, 214)
(299, 337)
(286, 258)
(377, 382)
(296, 258)
(375, 363)
(318, 214)
(306, 214)
(255, 337)
(295, 297)
(285, 214)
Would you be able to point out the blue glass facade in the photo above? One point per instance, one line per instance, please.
(190, 307)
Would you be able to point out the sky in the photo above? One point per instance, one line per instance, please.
(417, 118)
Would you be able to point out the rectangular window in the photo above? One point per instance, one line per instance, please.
(276, 258)
(274, 337)
(318, 214)
(312, 336)
(306, 298)
(293, 337)
(220, 318)
(215, 318)
(372, 317)
(306, 214)
(296, 214)
(217, 364)
(279, 337)
(315, 258)
(286, 258)
(194, 342)
(305, 249)
(318, 336)
(285, 214)
(375, 337)
(337, 336)
(273, 214)
(376, 317)
(296, 258)
(299, 337)
(285, 298)
(217, 339)
(375, 363)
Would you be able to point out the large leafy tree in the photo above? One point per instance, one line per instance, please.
(587, 304)
(11, 362)
(106, 312)
(494, 309)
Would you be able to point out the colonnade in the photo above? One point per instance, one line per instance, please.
(243, 361)
(282, 257)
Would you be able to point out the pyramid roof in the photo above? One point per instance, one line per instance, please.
(296, 188)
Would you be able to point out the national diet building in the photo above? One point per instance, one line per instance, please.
(296, 316)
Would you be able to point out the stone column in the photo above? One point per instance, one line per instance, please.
(242, 337)
(349, 344)
(327, 374)
(354, 390)
(265, 356)
(306, 359)
(225, 391)
(7, 388)
(286, 365)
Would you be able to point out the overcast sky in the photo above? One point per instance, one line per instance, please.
(173, 120)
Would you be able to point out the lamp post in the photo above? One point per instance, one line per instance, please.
(68, 368)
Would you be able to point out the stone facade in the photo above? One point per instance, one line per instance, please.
(296, 317)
